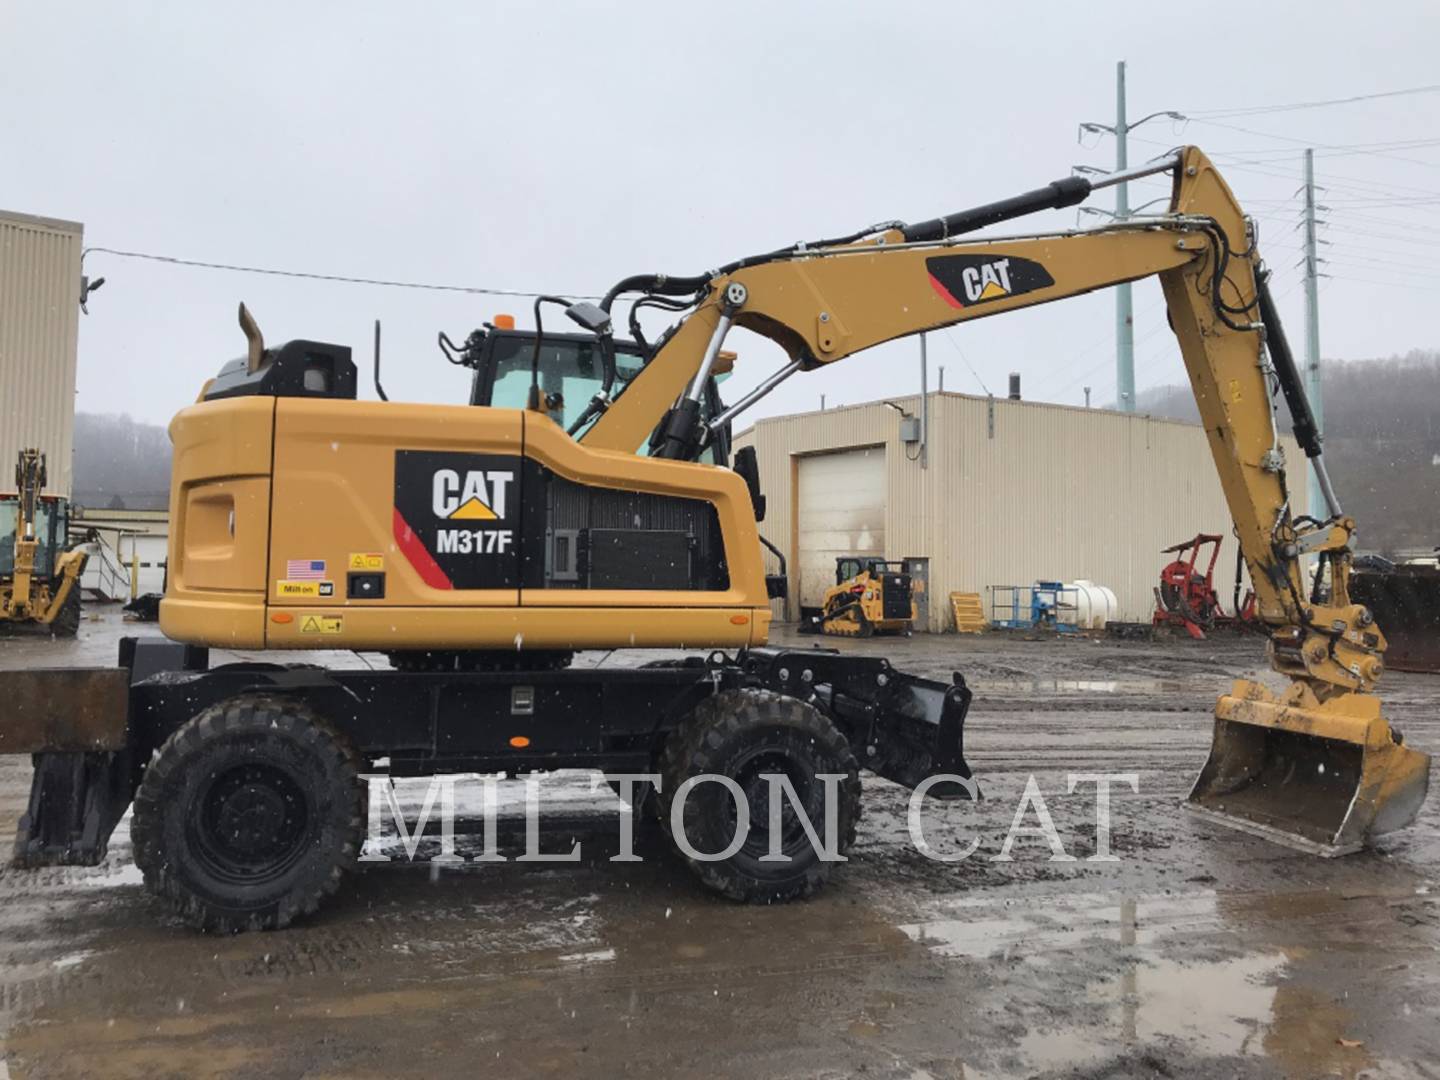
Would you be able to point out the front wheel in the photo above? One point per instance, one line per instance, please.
(249, 815)
(758, 739)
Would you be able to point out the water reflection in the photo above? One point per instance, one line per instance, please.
(1133, 996)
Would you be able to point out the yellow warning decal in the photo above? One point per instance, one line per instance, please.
(472, 509)
(367, 560)
(304, 588)
(321, 624)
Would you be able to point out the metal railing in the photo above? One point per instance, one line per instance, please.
(105, 576)
(1045, 605)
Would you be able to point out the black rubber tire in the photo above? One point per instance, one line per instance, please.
(67, 620)
(729, 733)
(286, 761)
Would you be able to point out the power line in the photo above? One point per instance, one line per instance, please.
(1255, 110)
(1385, 284)
(964, 359)
(1368, 188)
(1307, 142)
(1337, 150)
(1380, 266)
(1389, 222)
(1359, 185)
(1053, 392)
(312, 276)
(1372, 234)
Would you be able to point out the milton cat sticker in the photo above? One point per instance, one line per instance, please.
(457, 518)
(963, 281)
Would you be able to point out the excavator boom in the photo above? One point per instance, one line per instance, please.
(1316, 766)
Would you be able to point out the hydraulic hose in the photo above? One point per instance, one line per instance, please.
(656, 284)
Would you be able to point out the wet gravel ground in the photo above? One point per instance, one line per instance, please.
(1200, 952)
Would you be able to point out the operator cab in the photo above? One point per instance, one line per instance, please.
(570, 371)
(852, 566)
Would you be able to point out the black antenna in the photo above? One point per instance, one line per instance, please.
(378, 388)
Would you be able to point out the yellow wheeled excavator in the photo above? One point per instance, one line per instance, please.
(582, 500)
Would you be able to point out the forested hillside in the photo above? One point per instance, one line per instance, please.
(120, 463)
(1382, 444)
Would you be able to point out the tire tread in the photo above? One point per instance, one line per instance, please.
(244, 715)
(713, 724)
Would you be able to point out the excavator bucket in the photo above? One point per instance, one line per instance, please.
(1323, 777)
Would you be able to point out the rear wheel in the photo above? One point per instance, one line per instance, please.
(745, 736)
(249, 815)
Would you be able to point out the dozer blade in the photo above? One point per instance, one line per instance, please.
(1323, 777)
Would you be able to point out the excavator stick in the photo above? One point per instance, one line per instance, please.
(1321, 777)
(1316, 768)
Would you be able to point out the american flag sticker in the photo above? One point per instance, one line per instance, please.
(304, 569)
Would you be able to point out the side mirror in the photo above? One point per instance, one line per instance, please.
(747, 465)
(590, 316)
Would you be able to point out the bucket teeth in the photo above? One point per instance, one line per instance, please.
(1325, 777)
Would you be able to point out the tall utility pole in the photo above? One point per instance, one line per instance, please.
(1124, 312)
(1312, 325)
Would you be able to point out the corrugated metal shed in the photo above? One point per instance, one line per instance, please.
(1017, 491)
(39, 328)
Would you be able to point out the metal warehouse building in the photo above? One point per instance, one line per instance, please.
(1011, 492)
(39, 327)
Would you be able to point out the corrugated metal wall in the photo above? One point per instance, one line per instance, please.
(781, 441)
(1036, 491)
(39, 327)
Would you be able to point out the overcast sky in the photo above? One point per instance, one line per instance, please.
(558, 147)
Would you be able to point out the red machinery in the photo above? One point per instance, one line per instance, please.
(1186, 596)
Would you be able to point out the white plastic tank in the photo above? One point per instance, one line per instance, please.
(1095, 605)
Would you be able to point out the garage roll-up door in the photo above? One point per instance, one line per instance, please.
(841, 504)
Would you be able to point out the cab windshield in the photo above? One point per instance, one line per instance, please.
(50, 517)
(569, 367)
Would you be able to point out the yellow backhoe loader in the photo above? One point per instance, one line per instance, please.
(582, 501)
(39, 578)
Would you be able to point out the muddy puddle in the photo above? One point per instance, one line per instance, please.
(1011, 685)
(1146, 997)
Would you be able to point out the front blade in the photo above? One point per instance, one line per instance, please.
(920, 732)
